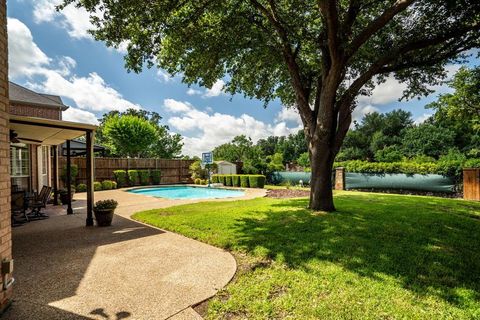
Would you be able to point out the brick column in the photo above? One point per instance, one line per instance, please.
(340, 179)
(5, 219)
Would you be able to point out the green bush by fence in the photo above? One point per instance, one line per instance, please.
(256, 181)
(97, 186)
(107, 185)
(244, 181)
(214, 178)
(114, 185)
(120, 177)
(156, 176)
(132, 177)
(228, 181)
(236, 180)
(144, 177)
(82, 187)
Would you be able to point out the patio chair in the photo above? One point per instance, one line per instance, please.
(40, 202)
(19, 205)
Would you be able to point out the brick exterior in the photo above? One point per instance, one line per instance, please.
(35, 111)
(5, 220)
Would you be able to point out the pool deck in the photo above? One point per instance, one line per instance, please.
(127, 271)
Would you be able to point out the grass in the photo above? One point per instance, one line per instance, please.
(378, 257)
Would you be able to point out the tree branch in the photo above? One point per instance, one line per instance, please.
(376, 25)
(329, 11)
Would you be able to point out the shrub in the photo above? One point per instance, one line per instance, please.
(204, 182)
(236, 180)
(144, 177)
(114, 185)
(198, 181)
(82, 187)
(107, 185)
(156, 175)
(120, 177)
(214, 178)
(221, 179)
(133, 177)
(97, 186)
(228, 180)
(256, 181)
(244, 181)
(105, 204)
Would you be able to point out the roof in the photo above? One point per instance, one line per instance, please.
(20, 94)
(47, 131)
(224, 162)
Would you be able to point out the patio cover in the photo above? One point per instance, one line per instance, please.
(55, 132)
(47, 131)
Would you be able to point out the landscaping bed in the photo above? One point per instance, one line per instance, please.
(378, 256)
(287, 193)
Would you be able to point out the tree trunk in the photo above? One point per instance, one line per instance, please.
(321, 194)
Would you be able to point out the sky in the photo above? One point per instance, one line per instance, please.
(52, 52)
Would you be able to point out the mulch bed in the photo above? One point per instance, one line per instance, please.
(287, 193)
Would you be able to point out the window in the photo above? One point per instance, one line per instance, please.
(19, 160)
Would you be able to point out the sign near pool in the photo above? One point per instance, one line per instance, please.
(207, 157)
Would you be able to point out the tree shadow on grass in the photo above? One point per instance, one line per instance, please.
(426, 246)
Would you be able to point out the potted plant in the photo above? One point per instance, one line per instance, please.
(63, 193)
(104, 210)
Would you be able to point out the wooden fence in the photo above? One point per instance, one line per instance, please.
(173, 170)
(471, 184)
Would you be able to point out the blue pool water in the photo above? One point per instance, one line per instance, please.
(185, 192)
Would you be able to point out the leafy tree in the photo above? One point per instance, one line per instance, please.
(429, 140)
(128, 135)
(275, 163)
(304, 160)
(318, 56)
(460, 111)
(165, 145)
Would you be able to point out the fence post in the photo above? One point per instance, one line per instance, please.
(340, 178)
(471, 184)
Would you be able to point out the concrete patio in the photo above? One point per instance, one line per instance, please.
(65, 270)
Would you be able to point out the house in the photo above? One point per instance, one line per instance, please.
(31, 161)
(225, 167)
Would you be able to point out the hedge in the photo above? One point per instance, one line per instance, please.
(214, 178)
(156, 176)
(228, 180)
(236, 180)
(256, 181)
(114, 185)
(107, 185)
(97, 186)
(244, 181)
(450, 168)
(221, 179)
(132, 177)
(82, 187)
(120, 177)
(144, 177)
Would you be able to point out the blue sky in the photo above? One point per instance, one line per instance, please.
(52, 52)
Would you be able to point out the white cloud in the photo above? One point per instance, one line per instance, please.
(203, 131)
(361, 111)
(77, 115)
(25, 57)
(289, 114)
(75, 20)
(424, 117)
(46, 75)
(216, 89)
(192, 92)
(163, 76)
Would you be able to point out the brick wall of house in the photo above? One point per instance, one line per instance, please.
(5, 227)
(35, 111)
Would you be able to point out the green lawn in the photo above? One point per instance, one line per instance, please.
(378, 257)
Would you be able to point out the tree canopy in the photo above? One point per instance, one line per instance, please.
(138, 133)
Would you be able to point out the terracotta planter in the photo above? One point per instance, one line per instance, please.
(104, 217)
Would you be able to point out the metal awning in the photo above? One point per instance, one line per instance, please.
(46, 131)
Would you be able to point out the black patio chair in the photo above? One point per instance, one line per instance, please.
(19, 206)
(39, 203)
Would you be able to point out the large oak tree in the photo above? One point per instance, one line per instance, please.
(315, 55)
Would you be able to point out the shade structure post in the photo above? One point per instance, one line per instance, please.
(55, 175)
(69, 178)
(90, 177)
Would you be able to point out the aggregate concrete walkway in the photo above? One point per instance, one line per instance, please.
(64, 270)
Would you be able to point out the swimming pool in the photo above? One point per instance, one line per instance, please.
(186, 192)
